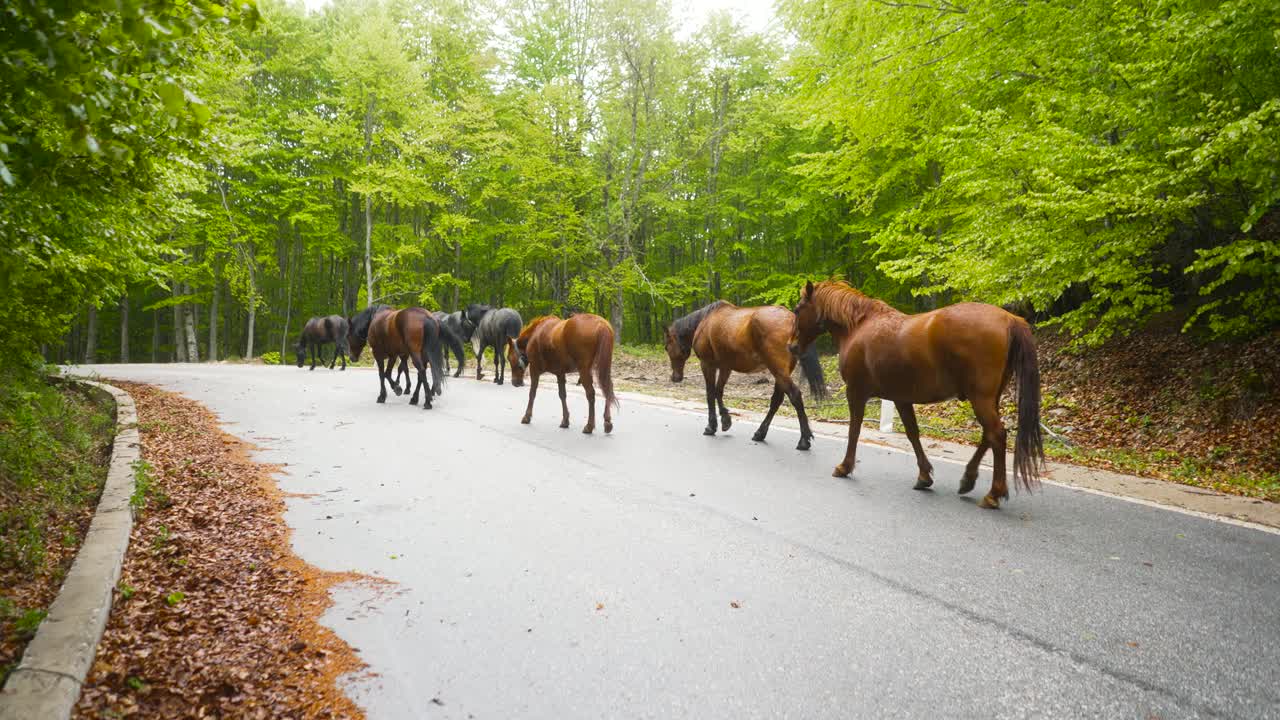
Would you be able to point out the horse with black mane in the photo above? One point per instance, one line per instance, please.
(487, 327)
(581, 344)
(727, 338)
(968, 351)
(393, 334)
(320, 331)
(452, 321)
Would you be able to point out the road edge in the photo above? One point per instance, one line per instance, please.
(1187, 499)
(46, 684)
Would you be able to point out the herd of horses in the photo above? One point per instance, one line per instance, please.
(969, 351)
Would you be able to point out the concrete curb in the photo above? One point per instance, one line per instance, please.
(1234, 509)
(47, 682)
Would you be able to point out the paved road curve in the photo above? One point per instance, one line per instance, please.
(542, 573)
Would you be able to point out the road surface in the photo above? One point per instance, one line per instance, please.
(541, 573)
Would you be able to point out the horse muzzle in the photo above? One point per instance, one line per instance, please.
(677, 377)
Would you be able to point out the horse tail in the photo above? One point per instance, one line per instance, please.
(431, 332)
(1028, 447)
(811, 368)
(454, 343)
(604, 365)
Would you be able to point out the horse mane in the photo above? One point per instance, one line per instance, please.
(360, 323)
(683, 327)
(533, 325)
(844, 304)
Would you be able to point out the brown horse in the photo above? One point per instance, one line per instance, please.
(727, 339)
(319, 331)
(582, 343)
(966, 351)
(392, 334)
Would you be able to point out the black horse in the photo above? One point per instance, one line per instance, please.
(486, 327)
(320, 331)
(453, 321)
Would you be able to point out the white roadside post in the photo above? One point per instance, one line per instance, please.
(886, 416)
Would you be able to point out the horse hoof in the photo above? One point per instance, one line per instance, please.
(803, 444)
(709, 430)
(382, 398)
(840, 471)
(564, 423)
(525, 420)
(923, 483)
(967, 482)
(497, 382)
(413, 401)
(758, 436)
(725, 423)
(588, 429)
(608, 427)
(989, 503)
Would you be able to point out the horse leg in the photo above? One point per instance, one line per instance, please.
(564, 402)
(797, 401)
(480, 362)
(709, 377)
(590, 390)
(334, 361)
(725, 421)
(382, 379)
(993, 436)
(501, 359)
(907, 412)
(533, 391)
(313, 357)
(343, 352)
(857, 408)
(970, 477)
(497, 365)
(774, 403)
(424, 383)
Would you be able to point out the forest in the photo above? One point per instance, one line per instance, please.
(192, 180)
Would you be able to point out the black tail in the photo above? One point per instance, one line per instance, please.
(812, 370)
(1028, 447)
(454, 343)
(432, 330)
(604, 366)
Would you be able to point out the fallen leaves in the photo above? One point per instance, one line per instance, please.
(214, 616)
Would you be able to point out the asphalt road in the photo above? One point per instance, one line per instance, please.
(659, 573)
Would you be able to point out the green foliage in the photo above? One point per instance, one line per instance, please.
(53, 441)
(1104, 161)
(1099, 164)
(270, 358)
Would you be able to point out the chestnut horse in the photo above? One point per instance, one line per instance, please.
(727, 339)
(967, 351)
(582, 343)
(392, 334)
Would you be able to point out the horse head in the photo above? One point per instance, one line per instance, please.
(808, 323)
(677, 354)
(518, 359)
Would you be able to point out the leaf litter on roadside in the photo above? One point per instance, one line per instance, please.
(214, 616)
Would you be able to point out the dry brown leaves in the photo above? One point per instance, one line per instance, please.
(214, 615)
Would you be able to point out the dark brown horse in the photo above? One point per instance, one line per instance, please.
(727, 338)
(320, 331)
(392, 334)
(968, 351)
(580, 344)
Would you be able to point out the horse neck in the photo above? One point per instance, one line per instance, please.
(857, 311)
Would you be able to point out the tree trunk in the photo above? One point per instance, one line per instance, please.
(457, 273)
(368, 206)
(189, 332)
(91, 336)
(179, 345)
(253, 315)
(124, 328)
(213, 316)
(288, 308)
(155, 336)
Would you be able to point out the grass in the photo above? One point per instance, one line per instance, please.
(55, 441)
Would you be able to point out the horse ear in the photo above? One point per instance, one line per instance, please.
(807, 292)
